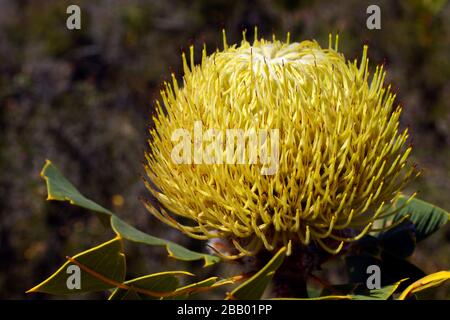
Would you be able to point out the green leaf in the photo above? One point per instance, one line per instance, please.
(393, 269)
(183, 293)
(129, 295)
(377, 294)
(159, 283)
(189, 291)
(313, 289)
(430, 281)
(60, 189)
(106, 266)
(369, 245)
(254, 288)
(357, 266)
(399, 241)
(340, 289)
(176, 251)
(317, 298)
(356, 292)
(427, 218)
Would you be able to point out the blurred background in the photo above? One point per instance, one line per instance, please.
(83, 98)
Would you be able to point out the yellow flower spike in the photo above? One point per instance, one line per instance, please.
(341, 155)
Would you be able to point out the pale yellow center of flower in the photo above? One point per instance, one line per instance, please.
(272, 56)
(275, 54)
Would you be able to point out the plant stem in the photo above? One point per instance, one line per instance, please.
(290, 280)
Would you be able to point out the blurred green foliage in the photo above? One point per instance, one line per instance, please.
(84, 98)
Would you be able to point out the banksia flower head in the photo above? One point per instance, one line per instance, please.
(337, 155)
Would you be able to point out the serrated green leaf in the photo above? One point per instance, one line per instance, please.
(61, 189)
(162, 282)
(427, 218)
(254, 288)
(106, 260)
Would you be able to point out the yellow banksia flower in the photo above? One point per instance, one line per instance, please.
(341, 160)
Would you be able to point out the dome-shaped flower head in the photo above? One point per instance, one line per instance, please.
(275, 143)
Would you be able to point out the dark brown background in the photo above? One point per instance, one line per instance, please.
(83, 99)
